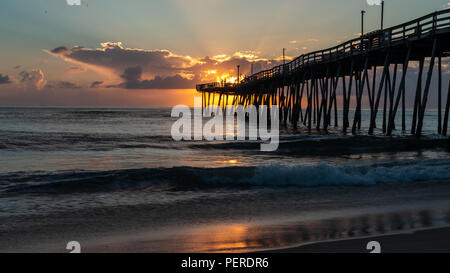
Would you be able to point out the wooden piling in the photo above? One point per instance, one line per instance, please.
(423, 104)
(447, 108)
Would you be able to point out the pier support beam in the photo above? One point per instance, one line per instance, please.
(373, 116)
(400, 94)
(418, 96)
(447, 108)
(423, 104)
(439, 94)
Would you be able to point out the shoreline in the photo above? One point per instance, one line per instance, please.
(435, 239)
(426, 240)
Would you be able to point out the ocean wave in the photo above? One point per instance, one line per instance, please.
(289, 144)
(69, 141)
(325, 174)
(333, 145)
(192, 179)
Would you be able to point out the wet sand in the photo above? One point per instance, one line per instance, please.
(422, 241)
(247, 223)
(236, 239)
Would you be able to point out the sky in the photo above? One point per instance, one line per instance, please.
(151, 53)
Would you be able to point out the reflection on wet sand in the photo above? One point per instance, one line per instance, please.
(254, 237)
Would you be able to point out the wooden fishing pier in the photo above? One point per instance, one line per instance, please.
(367, 68)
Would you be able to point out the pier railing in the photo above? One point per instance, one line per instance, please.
(414, 30)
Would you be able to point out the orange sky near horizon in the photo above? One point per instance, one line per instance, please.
(111, 97)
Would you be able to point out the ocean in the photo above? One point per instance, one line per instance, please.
(113, 176)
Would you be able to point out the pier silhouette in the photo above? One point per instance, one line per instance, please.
(369, 68)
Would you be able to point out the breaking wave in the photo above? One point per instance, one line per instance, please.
(192, 179)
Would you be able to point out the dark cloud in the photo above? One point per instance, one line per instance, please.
(96, 84)
(132, 74)
(4, 79)
(75, 70)
(132, 77)
(61, 50)
(62, 85)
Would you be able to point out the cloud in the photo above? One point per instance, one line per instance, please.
(75, 70)
(132, 74)
(34, 78)
(62, 85)
(113, 56)
(132, 77)
(135, 68)
(4, 79)
(61, 50)
(96, 84)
